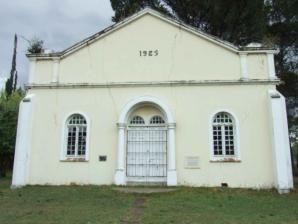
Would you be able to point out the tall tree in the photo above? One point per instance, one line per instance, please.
(11, 83)
(237, 21)
(282, 28)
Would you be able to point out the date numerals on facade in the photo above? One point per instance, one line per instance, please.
(150, 53)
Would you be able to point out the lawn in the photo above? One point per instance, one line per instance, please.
(93, 204)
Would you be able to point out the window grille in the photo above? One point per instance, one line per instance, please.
(137, 120)
(76, 136)
(223, 135)
(157, 120)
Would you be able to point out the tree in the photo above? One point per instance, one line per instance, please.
(11, 82)
(282, 27)
(9, 106)
(239, 22)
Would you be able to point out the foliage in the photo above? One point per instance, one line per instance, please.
(93, 204)
(35, 46)
(289, 87)
(8, 125)
(282, 26)
(295, 155)
(223, 18)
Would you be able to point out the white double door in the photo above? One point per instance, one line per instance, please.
(146, 158)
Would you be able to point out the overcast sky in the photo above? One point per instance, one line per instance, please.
(60, 23)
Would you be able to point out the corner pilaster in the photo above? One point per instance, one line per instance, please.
(56, 65)
(280, 142)
(120, 171)
(172, 173)
(32, 66)
(243, 65)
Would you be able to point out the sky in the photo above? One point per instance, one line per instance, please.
(59, 23)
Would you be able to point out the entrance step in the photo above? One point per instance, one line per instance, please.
(142, 183)
(144, 190)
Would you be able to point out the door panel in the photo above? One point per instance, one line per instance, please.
(146, 152)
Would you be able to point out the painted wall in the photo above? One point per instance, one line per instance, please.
(257, 66)
(191, 108)
(181, 56)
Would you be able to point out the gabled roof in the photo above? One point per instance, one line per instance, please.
(163, 17)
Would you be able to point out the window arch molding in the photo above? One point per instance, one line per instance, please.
(235, 157)
(66, 119)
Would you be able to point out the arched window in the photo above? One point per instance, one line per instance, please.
(137, 120)
(223, 128)
(76, 138)
(157, 120)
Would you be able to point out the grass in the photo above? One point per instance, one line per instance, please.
(93, 204)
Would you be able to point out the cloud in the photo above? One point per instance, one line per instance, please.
(60, 23)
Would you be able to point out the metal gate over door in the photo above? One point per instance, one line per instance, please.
(146, 152)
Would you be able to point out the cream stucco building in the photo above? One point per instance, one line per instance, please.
(152, 100)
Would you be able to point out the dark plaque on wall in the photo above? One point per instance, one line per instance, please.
(102, 158)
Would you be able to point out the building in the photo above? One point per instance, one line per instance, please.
(151, 100)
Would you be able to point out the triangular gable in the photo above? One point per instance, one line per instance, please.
(173, 21)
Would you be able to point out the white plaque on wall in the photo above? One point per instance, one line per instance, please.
(192, 162)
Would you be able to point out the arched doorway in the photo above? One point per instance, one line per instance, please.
(146, 146)
(146, 143)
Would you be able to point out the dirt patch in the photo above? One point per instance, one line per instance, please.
(135, 213)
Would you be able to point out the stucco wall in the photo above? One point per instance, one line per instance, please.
(43, 72)
(191, 108)
(257, 66)
(182, 56)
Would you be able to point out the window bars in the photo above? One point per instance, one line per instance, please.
(223, 135)
(76, 136)
(137, 120)
(157, 120)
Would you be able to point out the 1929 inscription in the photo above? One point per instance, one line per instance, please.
(148, 53)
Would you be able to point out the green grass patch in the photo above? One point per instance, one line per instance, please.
(93, 204)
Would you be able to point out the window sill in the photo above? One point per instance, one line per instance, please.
(74, 160)
(225, 160)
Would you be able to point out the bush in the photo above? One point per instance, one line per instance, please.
(9, 106)
(36, 46)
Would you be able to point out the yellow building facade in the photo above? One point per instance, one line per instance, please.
(150, 100)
